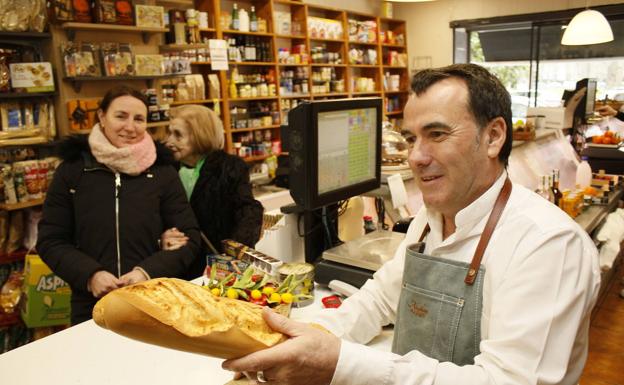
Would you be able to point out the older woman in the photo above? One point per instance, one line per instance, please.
(216, 183)
(110, 200)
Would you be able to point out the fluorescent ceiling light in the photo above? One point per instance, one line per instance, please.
(587, 27)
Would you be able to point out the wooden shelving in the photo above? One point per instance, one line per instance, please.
(247, 129)
(254, 98)
(32, 140)
(188, 3)
(181, 47)
(293, 64)
(233, 32)
(393, 45)
(295, 96)
(330, 94)
(71, 28)
(364, 43)
(327, 65)
(201, 101)
(21, 95)
(21, 205)
(300, 12)
(252, 63)
(77, 81)
(290, 36)
(29, 35)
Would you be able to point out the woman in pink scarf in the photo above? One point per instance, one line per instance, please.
(110, 200)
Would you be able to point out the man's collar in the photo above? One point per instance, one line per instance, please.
(472, 214)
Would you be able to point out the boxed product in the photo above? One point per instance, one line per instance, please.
(46, 296)
(321, 28)
(148, 65)
(32, 77)
(251, 256)
(283, 22)
(151, 16)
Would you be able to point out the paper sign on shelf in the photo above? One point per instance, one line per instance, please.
(218, 54)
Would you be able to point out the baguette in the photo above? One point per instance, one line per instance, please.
(180, 315)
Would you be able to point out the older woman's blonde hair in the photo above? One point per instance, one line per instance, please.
(205, 127)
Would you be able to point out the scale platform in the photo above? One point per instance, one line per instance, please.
(355, 261)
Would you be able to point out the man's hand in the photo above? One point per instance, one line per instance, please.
(132, 277)
(173, 239)
(102, 282)
(606, 110)
(308, 357)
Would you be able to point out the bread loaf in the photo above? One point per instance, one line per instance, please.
(181, 315)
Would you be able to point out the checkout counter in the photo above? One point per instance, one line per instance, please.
(89, 354)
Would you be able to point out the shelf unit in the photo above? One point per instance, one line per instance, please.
(71, 28)
(276, 37)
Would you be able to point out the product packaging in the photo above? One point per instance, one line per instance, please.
(46, 296)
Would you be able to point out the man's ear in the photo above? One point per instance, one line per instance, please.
(495, 135)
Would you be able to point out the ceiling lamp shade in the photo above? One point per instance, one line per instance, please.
(587, 27)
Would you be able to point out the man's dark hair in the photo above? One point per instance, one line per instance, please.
(487, 97)
(118, 91)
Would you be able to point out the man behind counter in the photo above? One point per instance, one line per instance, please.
(519, 315)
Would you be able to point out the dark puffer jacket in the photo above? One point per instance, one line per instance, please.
(223, 202)
(78, 231)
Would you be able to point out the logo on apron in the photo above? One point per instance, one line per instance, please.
(418, 310)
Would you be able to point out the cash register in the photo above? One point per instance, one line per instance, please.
(334, 151)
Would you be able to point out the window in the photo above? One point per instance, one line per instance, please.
(524, 51)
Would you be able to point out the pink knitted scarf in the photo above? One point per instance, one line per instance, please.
(131, 160)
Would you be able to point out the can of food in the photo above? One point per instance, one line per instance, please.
(302, 273)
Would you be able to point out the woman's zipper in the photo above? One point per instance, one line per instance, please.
(117, 188)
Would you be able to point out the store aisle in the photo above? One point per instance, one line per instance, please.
(606, 340)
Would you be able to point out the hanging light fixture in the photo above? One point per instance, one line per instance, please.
(587, 27)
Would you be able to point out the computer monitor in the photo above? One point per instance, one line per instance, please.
(585, 108)
(334, 150)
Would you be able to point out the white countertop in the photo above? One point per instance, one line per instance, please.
(87, 354)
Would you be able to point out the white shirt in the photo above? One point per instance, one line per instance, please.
(541, 282)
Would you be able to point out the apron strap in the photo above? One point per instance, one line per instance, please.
(424, 233)
(495, 215)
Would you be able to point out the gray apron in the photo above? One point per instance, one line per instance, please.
(439, 311)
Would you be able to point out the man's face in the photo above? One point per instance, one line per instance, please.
(449, 157)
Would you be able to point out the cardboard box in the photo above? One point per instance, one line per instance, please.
(33, 77)
(46, 296)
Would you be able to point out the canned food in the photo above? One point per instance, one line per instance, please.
(303, 272)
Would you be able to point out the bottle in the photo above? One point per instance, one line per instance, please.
(253, 20)
(233, 89)
(583, 174)
(544, 188)
(369, 226)
(243, 24)
(235, 19)
(557, 195)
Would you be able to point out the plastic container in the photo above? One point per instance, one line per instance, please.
(583, 174)
(243, 20)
